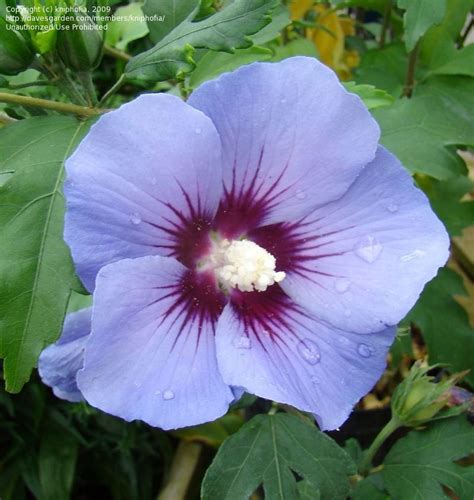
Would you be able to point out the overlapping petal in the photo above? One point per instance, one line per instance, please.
(59, 363)
(277, 350)
(361, 262)
(145, 181)
(292, 139)
(151, 354)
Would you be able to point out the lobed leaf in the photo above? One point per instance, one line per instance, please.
(174, 12)
(444, 323)
(373, 97)
(225, 31)
(269, 450)
(425, 131)
(420, 15)
(36, 271)
(422, 462)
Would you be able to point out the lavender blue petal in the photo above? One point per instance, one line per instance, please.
(361, 262)
(151, 355)
(59, 363)
(289, 356)
(292, 137)
(144, 181)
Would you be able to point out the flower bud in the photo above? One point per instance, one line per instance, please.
(80, 46)
(15, 52)
(418, 399)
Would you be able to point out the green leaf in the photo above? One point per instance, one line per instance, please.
(212, 64)
(270, 449)
(121, 32)
(422, 462)
(393, 60)
(424, 131)
(444, 323)
(445, 198)
(225, 31)
(57, 460)
(212, 433)
(307, 490)
(420, 15)
(366, 490)
(280, 20)
(457, 62)
(373, 98)
(174, 12)
(377, 5)
(36, 271)
(298, 47)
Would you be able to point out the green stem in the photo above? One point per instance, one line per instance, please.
(182, 470)
(115, 88)
(382, 436)
(61, 107)
(118, 54)
(410, 77)
(68, 85)
(386, 23)
(86, 80)
(38, 83)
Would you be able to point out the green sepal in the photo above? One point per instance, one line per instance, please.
(81, 49)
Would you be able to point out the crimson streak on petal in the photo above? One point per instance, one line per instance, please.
(197, 302)
(265, 315)
(295, 244)
(245, 207)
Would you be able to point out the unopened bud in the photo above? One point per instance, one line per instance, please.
(15, 52)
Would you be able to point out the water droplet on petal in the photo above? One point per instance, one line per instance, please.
(283, 100)
(413, 255)
(309, 351)
(392, 207)
(135, 219)
(368, 249)
(343, 340)
(365, 350)
(242, 342)
(300, 194)
(342, 285)
(153, 181)
(197, 130)
(315, 380)
(347, 313)
(167, 395)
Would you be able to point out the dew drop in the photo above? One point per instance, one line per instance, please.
(283, 100)
(365, 350)
(153, 181)
(368, 249)
(413, 255)
(342, 285)
(242, 342)
(135, 218)
(392, 207)
(309, 351)
(197, 130)
(300, 194)
(343, 340)
(315, 380)
(167, 395)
